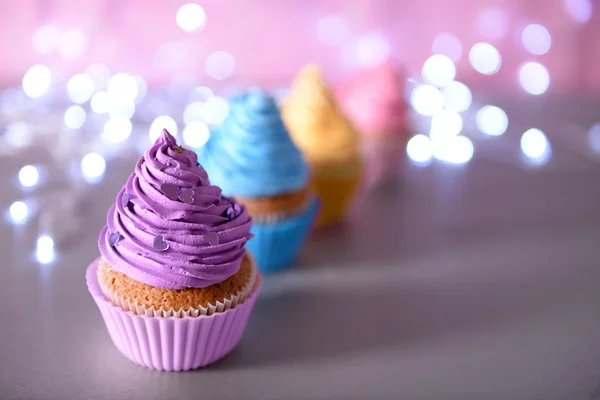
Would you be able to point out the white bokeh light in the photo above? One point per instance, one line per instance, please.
(142, 88)
(454, 150)
(93, 166)
(215, 110)
(195, 134)
(80, 88)
(18, 212)
(100, 102)
(44, 250)
(457, 97)
(535, 146)
(100, 75)
(18, 134)
(534, 78)
(117, 130)
(594, 137)
(160, 123)
(45, 39)
(445, 124)
(74, 117)
(492, 23)
(438, 70)
(29, 176)
(45, 242)
(201, 93)
(120, 107)
(448, 45)
(191, 17)
(37, 81)
(492, 120)
(536, 39)
(485, 58)
(220, 65)
(426, 100)
(122, 85)
(372, 49)
(579, 10)
(419, 149)
(332, 30)
(193, 112)
(72, 43)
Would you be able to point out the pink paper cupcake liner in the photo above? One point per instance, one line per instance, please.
(172, 344)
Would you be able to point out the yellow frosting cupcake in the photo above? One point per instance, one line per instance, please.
(327, 139)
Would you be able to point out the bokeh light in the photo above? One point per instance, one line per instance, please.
(536, 39)
(372, 49)
(332, 30)
(190, 17)
(93, 166)
(122, 85)
(100, 102)
(37, 81)
(594, 137)
(535, 146)
(72, 43)
(534, 78)
(215, 110)
(74, 117)
(438, 70)
(579, 10)
(120, 107)
(220, 65)
(117, 130)
(201, 93)
(195, 134)
(445, 124)
(492, 23)
(448, 45)
(18, 134)
(492, 120)
(142, 88)
(100, 75)
(457, 97)
(18, 212)
(44, 250)
(80, 88)
(485, 58)
(29, 176)
(45, 39)
(193, 112)
(419, 149)
(455, 150)
(426, 100)
(160, 123)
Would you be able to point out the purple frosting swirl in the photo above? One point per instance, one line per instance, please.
(190, 261)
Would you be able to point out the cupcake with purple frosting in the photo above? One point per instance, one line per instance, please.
(175, 284)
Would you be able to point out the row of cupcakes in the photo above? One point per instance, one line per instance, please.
(175, 282)
(307, 159)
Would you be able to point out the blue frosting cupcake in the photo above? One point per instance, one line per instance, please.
(252, 157)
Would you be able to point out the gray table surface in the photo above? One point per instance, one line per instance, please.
(474, 282)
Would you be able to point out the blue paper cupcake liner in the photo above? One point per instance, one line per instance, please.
(276, 244)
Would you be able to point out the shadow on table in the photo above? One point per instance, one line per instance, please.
(383, 226)
(302, 325)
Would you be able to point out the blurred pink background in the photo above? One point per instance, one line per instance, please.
(271, 39)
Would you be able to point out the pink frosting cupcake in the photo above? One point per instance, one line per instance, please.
(374, 101)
